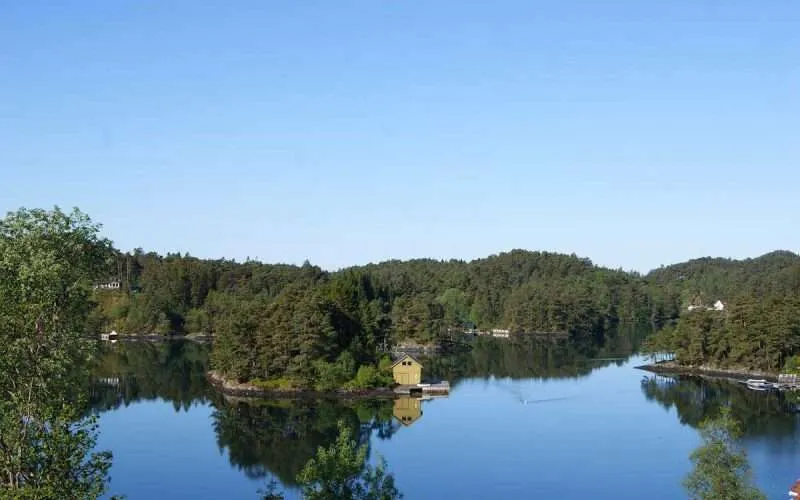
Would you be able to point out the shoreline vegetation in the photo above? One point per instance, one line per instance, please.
(255, 390)
(301, 329)
(738, 373)
(282, 327)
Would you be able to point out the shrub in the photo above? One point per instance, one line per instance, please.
(792, 364)
(332, 376)
(369, 377)
(385, 365)
(276, 384)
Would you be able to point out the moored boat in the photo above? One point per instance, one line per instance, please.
(759, 384)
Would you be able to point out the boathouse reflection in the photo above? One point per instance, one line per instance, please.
(407, 410)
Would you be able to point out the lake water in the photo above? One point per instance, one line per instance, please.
(520, 422)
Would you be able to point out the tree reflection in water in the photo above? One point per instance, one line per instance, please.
(528, 357)
(277, 438)
(262, 437)
(129, 372)
(269, 438)
(772, 415)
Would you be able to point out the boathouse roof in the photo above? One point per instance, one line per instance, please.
(400, 356)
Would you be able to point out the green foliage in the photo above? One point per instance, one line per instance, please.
(163, 324)
(330, 376)
(48, 260)
(792, 364)
(721, 470)
(703, 281)
(277, 384)
(303, 328)
(753, 332)
(455, 304)
(369, 377)
(274, 321)
(710, 279)
(341, 472)
(385, 365)
(197, 321)
(279, 437)
(173, 371)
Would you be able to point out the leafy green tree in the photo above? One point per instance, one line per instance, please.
(197, 321)
(456, 306)
(341, 472)
(721, 470)
(164, 325)
(48, 260)
(369, 377)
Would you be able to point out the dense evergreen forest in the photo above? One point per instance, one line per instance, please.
(759, 326)
(418, 299)
(127, 372)
(302, 324)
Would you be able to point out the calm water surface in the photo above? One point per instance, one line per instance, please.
(521, 422)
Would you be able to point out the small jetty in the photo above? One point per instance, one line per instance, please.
(437, 389)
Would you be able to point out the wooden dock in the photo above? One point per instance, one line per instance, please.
(439, 388)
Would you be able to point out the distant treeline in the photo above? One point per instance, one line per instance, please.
(418, 299)
(272, 321)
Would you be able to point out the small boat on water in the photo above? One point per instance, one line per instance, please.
(759, 384)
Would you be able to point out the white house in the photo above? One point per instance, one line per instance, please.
(719, 306)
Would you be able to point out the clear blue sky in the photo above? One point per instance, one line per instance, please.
(634, 133)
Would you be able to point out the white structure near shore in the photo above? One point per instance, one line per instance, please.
(718, 306)
(109, 337)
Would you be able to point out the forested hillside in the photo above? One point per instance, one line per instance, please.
(706, 280)
(759, 327)
(272, 321)
(417, 299)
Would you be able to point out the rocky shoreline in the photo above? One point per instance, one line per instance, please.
(245, 390)
(673, 368)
